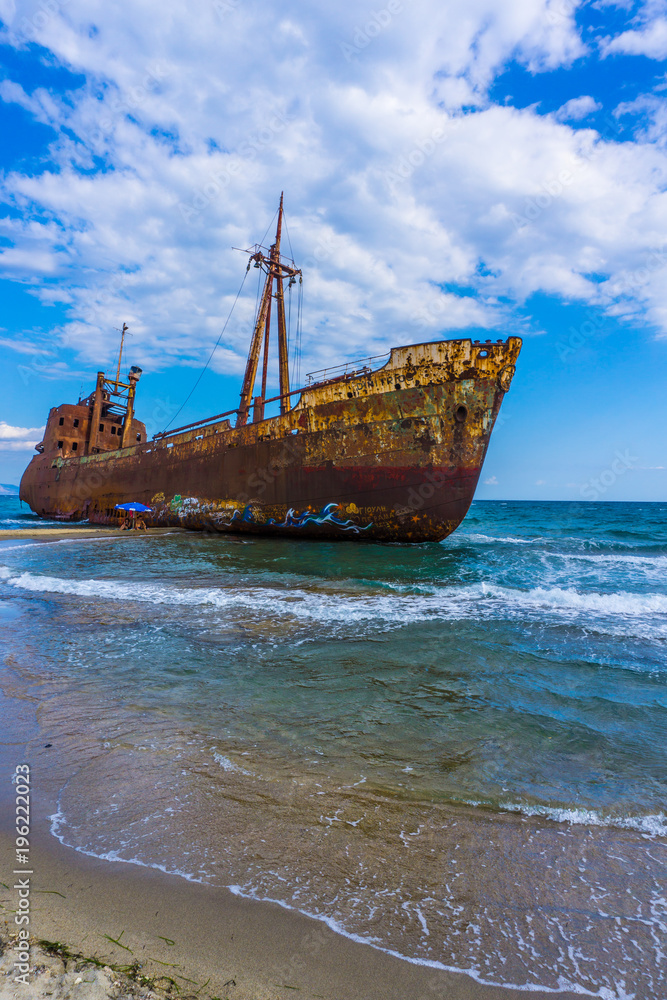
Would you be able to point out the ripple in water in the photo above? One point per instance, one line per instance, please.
(453, 752)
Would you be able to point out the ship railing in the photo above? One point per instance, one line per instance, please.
(349, 370)
(202, 424)
(346, 371)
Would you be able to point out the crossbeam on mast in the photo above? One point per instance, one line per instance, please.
(276, 271)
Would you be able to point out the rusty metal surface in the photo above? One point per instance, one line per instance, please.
(392, 455)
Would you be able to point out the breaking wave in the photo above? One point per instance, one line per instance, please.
(394, 608)
(652, 825)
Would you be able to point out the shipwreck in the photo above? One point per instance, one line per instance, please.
(386, 449)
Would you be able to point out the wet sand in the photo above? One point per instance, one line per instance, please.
(55, 534)
(199, 934)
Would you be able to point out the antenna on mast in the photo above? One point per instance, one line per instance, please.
(120, 353)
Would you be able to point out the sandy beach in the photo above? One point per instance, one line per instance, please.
(56, 534)
(207, 940)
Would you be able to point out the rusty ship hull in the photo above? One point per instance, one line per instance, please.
(388, 455)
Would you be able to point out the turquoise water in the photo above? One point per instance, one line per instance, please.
(438, 748)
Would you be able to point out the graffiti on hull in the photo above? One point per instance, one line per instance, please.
(326, 516)
(226, 513)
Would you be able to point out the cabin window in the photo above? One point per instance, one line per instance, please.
(101, 427)
(113, 429)
(60, 444)
(138, 437)
(74, 445)
(61, 421)
(76, 421)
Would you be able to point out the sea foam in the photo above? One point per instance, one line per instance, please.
(481, 599)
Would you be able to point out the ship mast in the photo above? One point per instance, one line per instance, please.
(276, 271)
(120, 353)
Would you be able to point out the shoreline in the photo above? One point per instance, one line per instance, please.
(122, 734)
(56, 534)
(205, 937)
(208, 937)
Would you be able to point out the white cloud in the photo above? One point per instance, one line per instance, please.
(22, 347)
(18, 445)
(649, 116)
(19, 438)
(577, 109)
(650, 41)
(395, 198)
(491, 481)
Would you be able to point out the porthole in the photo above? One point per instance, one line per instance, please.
(461, 413)
(74, 446)
(483, 354)
(60, 444)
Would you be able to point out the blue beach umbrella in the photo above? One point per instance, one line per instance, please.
(132, 506)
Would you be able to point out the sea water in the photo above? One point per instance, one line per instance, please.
(455, 752)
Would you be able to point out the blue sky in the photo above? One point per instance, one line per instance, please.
(457, 168)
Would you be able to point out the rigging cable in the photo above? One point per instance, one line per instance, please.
(288, 239)
(296, 346)
(201, 374)
(296, 341)
(267, 229)
(259, 287)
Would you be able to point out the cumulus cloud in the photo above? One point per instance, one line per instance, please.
(22, 347)
(19, 438)
(650, 40)
(577, 108)
(416, 205)
(649, 115)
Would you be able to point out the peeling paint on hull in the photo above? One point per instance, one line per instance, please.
(393, 455)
